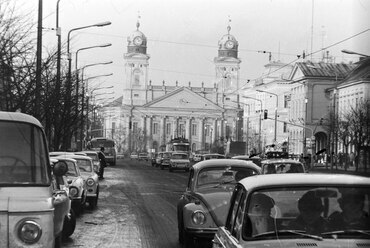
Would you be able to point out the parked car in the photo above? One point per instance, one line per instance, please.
(58, 153)
(277, 166)
(203, 206)
(209, 156)
(95, 157)
(90, 177)
(61, 183)
(134, 155)
(287, 205)
(179, 161)
(32, 206)
(254, 159)
(143, 156)
(77, 186)
(158, 158)
(197, 157)
(165, 161)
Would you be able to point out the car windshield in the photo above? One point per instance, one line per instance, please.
(216, 175)
(179, 156)
(23, 155)
(84, 165)
(72, 170)
(319, 211)
(282, 167)
(166, 155)
(93, 156)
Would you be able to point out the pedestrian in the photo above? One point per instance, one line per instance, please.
(103, 163)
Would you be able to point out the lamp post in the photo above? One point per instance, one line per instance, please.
(276, 107)
(260, 121)
(69, 83)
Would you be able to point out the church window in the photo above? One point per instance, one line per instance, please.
(137, 79)
(194, 128)
(136, 95)
(155, 128)
(168, 129)
(135, 126)
(181, 130)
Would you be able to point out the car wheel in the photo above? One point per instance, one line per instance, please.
(69, 224)
(161, 167)
(188, 240)
(94, 201)
(58, 242)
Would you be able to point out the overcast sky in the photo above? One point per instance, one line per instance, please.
(183, 35)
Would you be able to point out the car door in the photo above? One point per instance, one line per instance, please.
(230, 234)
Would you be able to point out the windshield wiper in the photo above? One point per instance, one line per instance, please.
(296, 232)
(349, 231)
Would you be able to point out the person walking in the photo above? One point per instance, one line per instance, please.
(103, 163)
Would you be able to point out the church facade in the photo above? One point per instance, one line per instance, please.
(149, 115)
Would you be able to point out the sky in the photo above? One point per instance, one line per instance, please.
(183, 34)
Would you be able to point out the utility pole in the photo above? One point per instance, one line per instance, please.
(38, 64)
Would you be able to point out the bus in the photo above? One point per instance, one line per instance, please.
(109, 148)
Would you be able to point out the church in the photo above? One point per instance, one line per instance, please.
(149, 115)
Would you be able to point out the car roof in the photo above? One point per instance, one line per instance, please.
(303, 179)
(74, 156)
(89, 152)
(19, 117)
(279, 160)
(65, 158)
(225, 162)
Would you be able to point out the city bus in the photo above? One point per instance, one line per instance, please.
(109, 148)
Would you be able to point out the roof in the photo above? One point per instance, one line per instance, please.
(277, 161)
(325, 70)
(19, 117)
(74, 156)
(303, 179)
(225, 162)
(360, 73)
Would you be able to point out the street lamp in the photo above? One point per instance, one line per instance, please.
(355, 53)
(260, 121)
(276, 107)
(69, 83)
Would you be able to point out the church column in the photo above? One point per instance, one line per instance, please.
(143, 124)
(163, 131)
(150, 133)
(201, 133)
(188, 129)
(129, 126)
(214, 132)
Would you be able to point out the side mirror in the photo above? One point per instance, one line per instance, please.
(60, 168)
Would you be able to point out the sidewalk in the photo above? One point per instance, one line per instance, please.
(320, 167)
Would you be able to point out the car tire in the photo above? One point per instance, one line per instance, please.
(188, 240)
(162, 167)
(93, 202)
(58, 241)
(69, 224)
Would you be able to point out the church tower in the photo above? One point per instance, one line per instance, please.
(227, 66)
(136, 69)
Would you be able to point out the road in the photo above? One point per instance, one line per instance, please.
(136, 208)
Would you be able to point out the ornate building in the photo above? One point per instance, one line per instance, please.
(148, 115)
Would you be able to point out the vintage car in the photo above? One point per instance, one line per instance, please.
(179, 161)
(143, 156)
(306, 209)
(278, 166)
(32, 206)
(90, 178)
(255, 159)
(165, 160)
(77, 186)
(197, 157)
(158, 159)
(95, 157)
(61, 183)
(134, 155)
(58, 153)
(153, 159)
(203, 206)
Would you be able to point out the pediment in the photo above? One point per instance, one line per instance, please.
(183, 98)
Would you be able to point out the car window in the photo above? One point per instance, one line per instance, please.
(22, 155)
(234, 223)
(216, 175)
(179, 156)
(294, 208)
(72, 170)
(285, 167)
(84, 165)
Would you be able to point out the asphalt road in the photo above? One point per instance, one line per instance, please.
(136, 208)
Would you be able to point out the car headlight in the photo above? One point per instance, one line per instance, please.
(29, 232)
(90, 182)
(73, 191)
(198, 217)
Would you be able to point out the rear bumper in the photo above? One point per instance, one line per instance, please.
(207, 233)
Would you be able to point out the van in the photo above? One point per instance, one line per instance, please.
(33, 206)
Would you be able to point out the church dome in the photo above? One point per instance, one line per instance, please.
(137, 41)
(228, 45)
